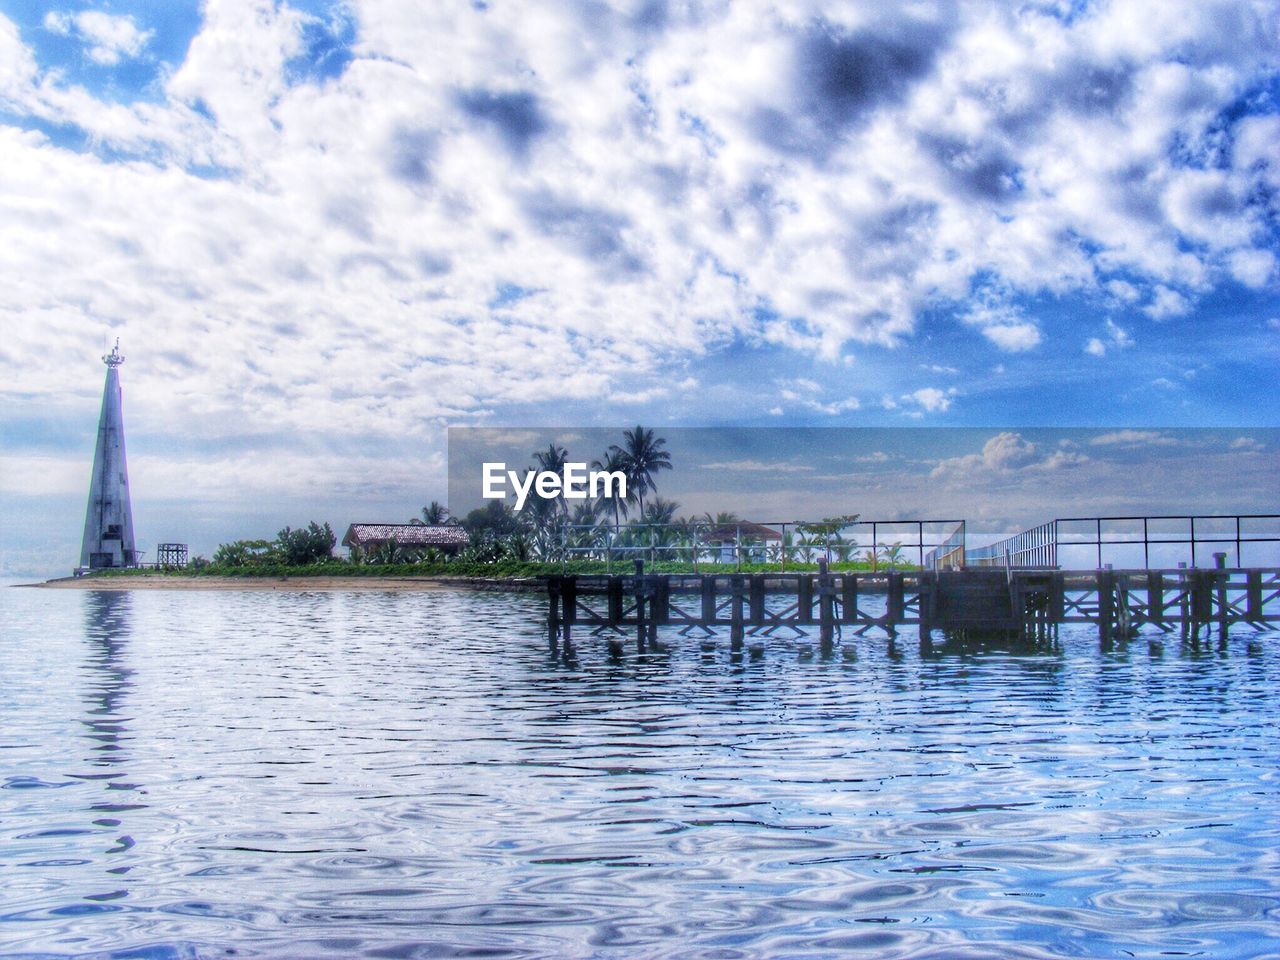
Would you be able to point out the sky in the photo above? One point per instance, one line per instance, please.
(326, 232)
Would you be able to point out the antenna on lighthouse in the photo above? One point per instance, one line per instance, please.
(115, 357)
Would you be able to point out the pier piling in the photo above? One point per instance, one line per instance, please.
(975, 604)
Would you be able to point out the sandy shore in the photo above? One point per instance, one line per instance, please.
(294, 584)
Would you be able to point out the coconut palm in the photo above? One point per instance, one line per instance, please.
(435, 513)
(644, 457)
(659, 512)
(614, 461)
(553, 460)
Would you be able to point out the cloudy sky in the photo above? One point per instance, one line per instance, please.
(323, 232)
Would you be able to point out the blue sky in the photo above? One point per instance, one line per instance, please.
(325, 232)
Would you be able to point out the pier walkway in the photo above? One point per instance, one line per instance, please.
(1010, 589)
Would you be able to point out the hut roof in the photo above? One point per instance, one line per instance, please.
(749, 531)
(405, 534)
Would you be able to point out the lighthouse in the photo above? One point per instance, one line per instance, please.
(108, 521)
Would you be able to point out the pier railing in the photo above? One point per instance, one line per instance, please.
(1037, 547)
(1146, 542)
(1069, 543)
(880, 544)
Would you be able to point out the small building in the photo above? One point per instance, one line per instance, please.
(754, 540)
(364, 538)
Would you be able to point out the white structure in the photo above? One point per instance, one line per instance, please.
(108, 521)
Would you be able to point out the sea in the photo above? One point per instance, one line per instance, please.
(417, 774)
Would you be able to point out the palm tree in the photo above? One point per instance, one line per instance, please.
(552, 460)
(614, 461)
(644, 457)
(659, 511)
(435, 513)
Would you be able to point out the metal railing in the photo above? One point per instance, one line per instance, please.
(877, 543)
(1148, 542)
(950, 554)
(1037, 547)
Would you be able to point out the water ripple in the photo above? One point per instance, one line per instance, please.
(414, 775)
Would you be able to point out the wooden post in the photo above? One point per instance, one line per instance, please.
(1106, 583)
(1220, 563)
(755, 583)
(1155, 597)
(614, 589)
(928, 584)
(1184, 607)
(1253, 594)
(639, 588)
(569, 606)
(826, 609)
(804, 598)
(553, 613)
(736, 632)
(1123, 625)
(709, 600)
(895, 613)
(849, 599)
(1201, 601)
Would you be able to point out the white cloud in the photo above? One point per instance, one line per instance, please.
(1117, 338)
(1247, 444)
(1123, 291)
(1013, 337)
(760, 466)
(284, 251)
(1166, 303)
(1253, 268)
(1004, 454)
(1002, 323)
(108, 39)
(1133, 438)
(930, 399)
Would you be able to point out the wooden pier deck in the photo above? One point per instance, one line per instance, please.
(1027, 604)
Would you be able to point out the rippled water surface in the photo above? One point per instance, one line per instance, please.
(402, 775)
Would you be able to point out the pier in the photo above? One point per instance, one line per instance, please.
(1018, 604)
(1008, 590)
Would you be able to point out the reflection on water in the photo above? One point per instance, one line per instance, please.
(416, 775)
(107, 683)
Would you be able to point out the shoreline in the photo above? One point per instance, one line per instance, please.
(289, 584)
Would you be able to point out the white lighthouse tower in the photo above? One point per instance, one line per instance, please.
(108, 521)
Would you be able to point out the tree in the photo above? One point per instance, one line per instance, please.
(435, 513)
(643, 456)
(614, 461)
(825, 533)
(299, 547)
(552, 460)
(242, 553)
(494, 520)
(659, 511)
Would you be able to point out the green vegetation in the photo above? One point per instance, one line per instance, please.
(548, 536)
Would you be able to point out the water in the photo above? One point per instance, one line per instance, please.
(404, 775)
